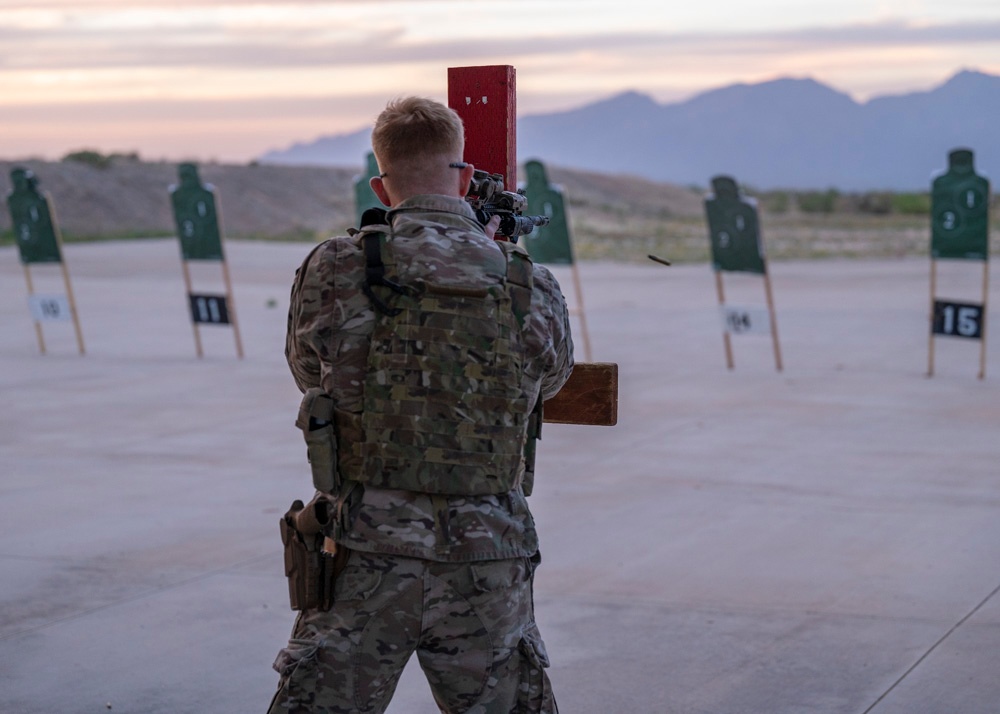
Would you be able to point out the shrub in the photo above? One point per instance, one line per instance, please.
(912, 204)
(818, 201)
(89, 157)
(776, 202)
(877, 203)
(129, 156)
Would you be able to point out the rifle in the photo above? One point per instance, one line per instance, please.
(488, 198)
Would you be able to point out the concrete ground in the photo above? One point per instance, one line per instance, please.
(824, 539)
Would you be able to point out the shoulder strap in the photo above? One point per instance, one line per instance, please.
(520, 283)
(520, 279)
(372, 242)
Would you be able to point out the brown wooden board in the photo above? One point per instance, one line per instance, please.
(590, 396)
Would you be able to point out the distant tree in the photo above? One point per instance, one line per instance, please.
(94, 158)
(130, 156)
(89, 157)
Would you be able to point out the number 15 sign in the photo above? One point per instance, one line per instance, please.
(958, 319)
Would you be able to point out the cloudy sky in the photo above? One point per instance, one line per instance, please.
(231, 79)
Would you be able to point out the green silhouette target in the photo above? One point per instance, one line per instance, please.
(733, 229)
(960, 211)
(549, 244)
(196, 216)
(31, 217)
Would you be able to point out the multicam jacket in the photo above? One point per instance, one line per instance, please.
(330, 326)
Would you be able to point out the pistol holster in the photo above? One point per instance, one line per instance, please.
(311, 569)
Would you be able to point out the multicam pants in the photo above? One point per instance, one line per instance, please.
(471, 625)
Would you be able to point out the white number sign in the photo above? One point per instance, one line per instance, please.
(49, 308)
(745, 320)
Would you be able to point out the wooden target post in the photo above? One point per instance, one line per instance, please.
(196, 215)
(737, 246)
(38, 241)
(960, 226)
(486, 100)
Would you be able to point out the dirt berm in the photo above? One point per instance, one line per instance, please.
(129, 198)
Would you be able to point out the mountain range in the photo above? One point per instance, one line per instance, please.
(786, 133)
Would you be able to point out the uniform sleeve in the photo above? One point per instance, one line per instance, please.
(551, 331)
(301, 344)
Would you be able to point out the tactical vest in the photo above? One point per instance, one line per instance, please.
(443, 410)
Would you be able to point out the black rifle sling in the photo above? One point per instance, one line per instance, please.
(375, 273)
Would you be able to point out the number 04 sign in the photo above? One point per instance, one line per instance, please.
(745, 320)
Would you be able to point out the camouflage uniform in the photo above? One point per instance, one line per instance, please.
(447, 576)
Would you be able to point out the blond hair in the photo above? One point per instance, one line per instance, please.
(413, 131)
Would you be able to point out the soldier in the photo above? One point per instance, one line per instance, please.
(435, 346)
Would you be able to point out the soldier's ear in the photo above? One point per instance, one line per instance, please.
(379, 188)
(464, 179)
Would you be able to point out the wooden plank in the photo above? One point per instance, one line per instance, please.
(930, 317)
(590, 396)
(38, 326)
(982, 337)
(774, 319)
(486, 100)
